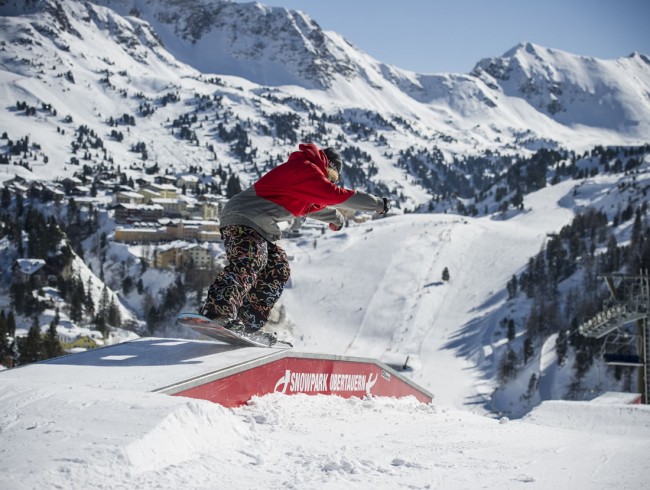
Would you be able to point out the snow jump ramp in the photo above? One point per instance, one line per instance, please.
(226, 374)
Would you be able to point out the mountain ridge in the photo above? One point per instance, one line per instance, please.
(112, 56)
(553, 81)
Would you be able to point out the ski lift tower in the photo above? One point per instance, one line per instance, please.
(630, 303)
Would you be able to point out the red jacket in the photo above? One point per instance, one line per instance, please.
(298, 187)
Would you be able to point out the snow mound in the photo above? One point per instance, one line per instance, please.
(77, 434)
(190, 429)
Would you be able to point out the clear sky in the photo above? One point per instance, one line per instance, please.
(433, 36)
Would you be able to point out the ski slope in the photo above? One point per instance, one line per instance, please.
(376, 290)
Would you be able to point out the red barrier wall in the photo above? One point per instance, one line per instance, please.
(291, 375)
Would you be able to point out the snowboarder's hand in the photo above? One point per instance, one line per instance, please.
(386, 206)
(335, 227)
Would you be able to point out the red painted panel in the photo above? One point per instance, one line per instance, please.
(292, 375)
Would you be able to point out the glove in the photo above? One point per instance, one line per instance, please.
(335, 227)
(386, 206)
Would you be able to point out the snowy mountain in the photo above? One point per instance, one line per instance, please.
(275, 46)
(266, 45)
(574, 90)
(121, 90)
(90, 63)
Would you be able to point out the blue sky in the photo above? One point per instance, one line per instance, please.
(433, 36)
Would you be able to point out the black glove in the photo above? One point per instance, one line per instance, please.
(386, 206)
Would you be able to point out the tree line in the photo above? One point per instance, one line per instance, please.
(587, 248)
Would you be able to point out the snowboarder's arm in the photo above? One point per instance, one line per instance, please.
(362, 201)
(365, 202)
(329, 215)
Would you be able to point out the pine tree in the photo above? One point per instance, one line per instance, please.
(31, 347)
(5, 198)
(87, 295)
(532, 387)
(75, 300)
(103, 313)
(114, 317)
(512, 287)
(561, 347)
(11, 324)
(581, 365)
(51, 345)
(529, 351)
(507, 366)
(233, 186)
(445, 274)
(4, 345)
(512, 330)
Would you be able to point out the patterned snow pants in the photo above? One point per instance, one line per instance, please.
(253, 280)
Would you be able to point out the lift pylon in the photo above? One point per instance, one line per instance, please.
(630, 302)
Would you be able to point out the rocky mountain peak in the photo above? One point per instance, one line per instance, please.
(267, 45)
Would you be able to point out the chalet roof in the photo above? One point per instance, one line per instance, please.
(139, 229)
(188, 178)
(163, 187)
(132, 194)
(166, 200)
(143, 207)
(147, 191)
(30, 266)
(73, 180)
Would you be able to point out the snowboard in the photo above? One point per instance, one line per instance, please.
(215, 330)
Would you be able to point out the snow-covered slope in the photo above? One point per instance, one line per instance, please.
(81, 437)
(376, 290)
(574, 90)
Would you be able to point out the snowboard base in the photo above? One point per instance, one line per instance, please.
(215, 330)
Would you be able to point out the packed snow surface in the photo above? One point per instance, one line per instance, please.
(93, 438)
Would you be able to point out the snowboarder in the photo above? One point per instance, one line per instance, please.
(243, 294)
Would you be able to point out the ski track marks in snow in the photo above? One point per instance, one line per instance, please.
(394, 302)
(376, 289)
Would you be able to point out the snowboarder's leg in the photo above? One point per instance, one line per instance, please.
(247, 254)
(266, 291)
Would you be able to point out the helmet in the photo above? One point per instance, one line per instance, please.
(334, 160)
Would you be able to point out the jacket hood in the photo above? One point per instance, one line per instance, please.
(314, 155)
